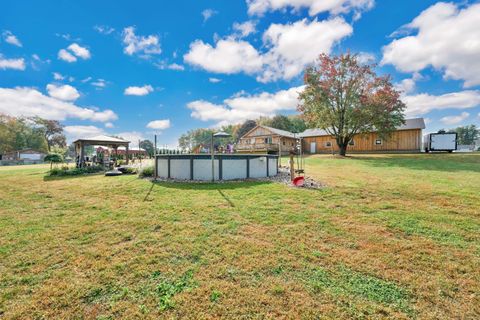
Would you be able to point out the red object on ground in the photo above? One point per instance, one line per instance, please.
(298, 181)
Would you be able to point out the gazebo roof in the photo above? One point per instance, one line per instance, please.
(103, 139)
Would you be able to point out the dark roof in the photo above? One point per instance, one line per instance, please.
(410, 124)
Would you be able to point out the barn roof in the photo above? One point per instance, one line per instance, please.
(279, 132)
(410, 124)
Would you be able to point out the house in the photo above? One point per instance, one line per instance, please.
(27, 155)
(407, 138)
(263, 139)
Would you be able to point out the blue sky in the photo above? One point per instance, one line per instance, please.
(136, 68)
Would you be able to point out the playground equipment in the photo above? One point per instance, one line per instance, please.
(297, 165)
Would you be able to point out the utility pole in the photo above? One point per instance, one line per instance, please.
(155, 159)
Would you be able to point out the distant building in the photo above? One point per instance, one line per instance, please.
(263, 139)
(29, 155)
(406, 138)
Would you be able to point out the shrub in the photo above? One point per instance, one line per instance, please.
(65, 171)
(147, 172)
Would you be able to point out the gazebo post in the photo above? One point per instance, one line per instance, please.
(126, 153)
(82, 154)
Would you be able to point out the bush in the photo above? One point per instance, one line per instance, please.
(147, 172)
(65, 171)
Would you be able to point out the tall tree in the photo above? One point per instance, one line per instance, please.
(280, 122)
(18, 134)
(345, 97)
(52, 131)
(297, 124)
(467, 134)
(148, 146)
(244, 128)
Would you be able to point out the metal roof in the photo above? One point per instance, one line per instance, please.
(410, 124)
(279, 132)
(103, 138)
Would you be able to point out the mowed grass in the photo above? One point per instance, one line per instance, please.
(391, 236)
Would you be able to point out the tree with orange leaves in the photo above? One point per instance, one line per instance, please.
(345, 98)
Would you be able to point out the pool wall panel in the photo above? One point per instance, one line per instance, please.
(202, 169)
(234, 169)
(258, 167)
(180, 169)
(162, 167)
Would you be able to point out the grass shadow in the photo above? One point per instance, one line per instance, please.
(47, 178)
(194, 185)
(226, 198)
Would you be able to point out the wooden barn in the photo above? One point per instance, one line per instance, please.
(407, 138)
(263, 139)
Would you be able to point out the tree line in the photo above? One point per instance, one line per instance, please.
(202, 136)
(17, 133)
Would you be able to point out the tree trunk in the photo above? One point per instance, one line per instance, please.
(342, 149)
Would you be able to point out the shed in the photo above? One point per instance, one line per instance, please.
(101, 140)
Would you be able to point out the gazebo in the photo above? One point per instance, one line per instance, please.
(101, 140)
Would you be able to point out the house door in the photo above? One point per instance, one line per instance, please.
(313, 147)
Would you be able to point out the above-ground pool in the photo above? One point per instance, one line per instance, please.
(226, 166)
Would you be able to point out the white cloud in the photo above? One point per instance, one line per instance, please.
(76, 132)
(79, 51)
(241, 107)
(259, 7)
(407, 86)
(58, 76)
(366, 58)
(66, 56)
(145, 46)
(208, 13)
(11, 38)
(73, 51)
(290, 48)
(109, 125)
(245, 29)
(15, 64)
(159, 124)
(138, 91)
(424, 103)
(104, 29)
(294, 46)
(87, 79)
(228, 56)
(163, 65)
(100, 83)
(214, 80)
(65, 92)
(451, 120)
(132, 136)
(446, 39)
(27, 102)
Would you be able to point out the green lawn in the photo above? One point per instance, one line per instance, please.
(394, 236)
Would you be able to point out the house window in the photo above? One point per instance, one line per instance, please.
(378, 142)
(268, 140)
(283, 142)
(328, 144)
(351, 143)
